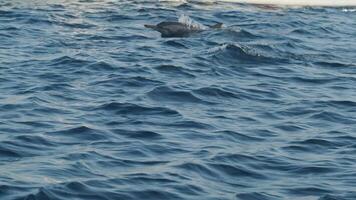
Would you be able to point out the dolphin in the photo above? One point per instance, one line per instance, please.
(178, 29)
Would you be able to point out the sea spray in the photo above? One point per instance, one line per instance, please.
(193, 25)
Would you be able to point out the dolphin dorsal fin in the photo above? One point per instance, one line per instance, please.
(217, 25)
(151, 26)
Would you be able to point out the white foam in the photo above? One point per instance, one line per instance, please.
(218, 48)
(193, 25)
(348, 10)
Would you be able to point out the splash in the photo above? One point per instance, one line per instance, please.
(218, 48)
(193, 25)
(348, 10)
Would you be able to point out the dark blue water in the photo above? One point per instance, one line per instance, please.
(95, 106)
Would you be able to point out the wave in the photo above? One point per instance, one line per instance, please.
(175, 71)
(134, 109)
(256, 196)
(328, 3)
(333, 117)
(8, 154)
(68, 61)
(175, 43)
(145, 135)
(310, 191)
(135, 81)
(238, 34)
(101, 66)
(77, 189)
(164, 93)
(79, 133)
(238, 137)
(215, 92)
(236, 53)
(92, 106)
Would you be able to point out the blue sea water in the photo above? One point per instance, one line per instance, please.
(95, 106)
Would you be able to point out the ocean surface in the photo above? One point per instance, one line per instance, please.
(94, 106)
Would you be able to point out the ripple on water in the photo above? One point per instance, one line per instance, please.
(175, 71)
(79, 133)
(167, 94)
(144, 135)
(95, 106)
(255, 196)
(134, 109)
(243, 54)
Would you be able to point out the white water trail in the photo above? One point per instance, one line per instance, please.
(193, 25)
(348, 10)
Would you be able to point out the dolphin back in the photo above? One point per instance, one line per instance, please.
(175, 29)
